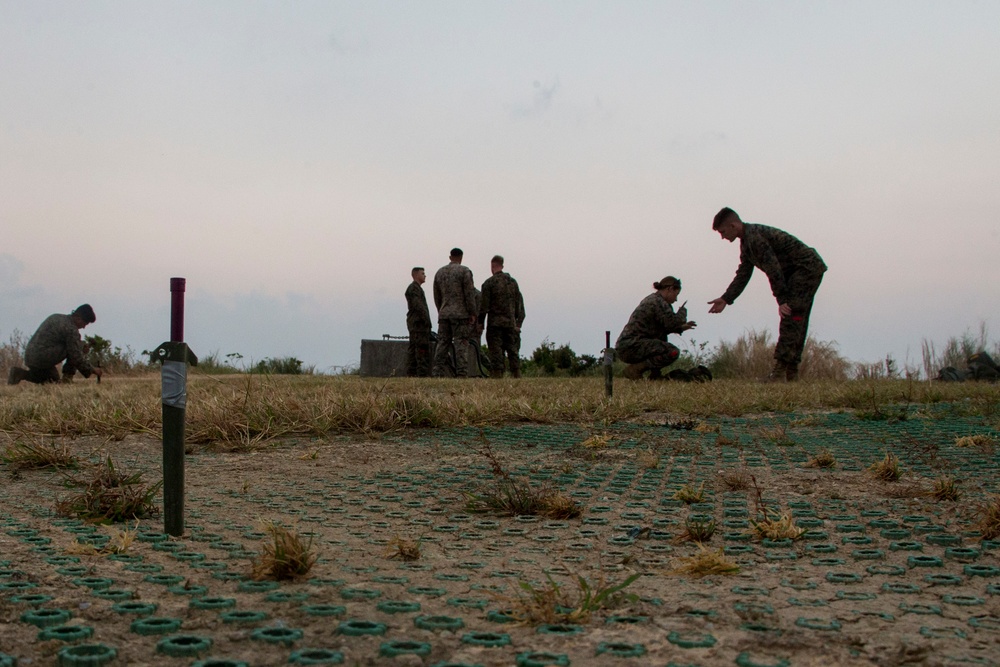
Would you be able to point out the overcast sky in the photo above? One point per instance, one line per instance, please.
(293, 161)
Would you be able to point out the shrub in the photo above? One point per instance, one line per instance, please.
(103, 353)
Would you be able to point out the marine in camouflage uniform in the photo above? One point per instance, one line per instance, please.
(503, 303)
(795, 271)
(643, 342)
(454, 296)
(418, 324)
(55, 341)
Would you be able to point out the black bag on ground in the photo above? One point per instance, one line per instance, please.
(982, 367)
(950, 374)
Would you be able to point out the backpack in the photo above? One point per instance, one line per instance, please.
(950, 374)
(982, 367)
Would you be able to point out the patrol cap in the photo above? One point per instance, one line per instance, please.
(85, 313)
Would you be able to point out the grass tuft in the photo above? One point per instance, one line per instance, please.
(689, 494)
(403, 549)
(989, 519)
(736, 479)
(824, 459)
(648, 459)
(510, 496)
(286, 556)
(697, 531)
(945, 488)
(551, 603)
(705, 563)
(112, 495)
(27, 456)
(777, 528)
(985, 443)
(886, 470)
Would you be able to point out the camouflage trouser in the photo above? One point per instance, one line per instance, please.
(452, 332)
(503, 341)
(792, 330)
(656, 353)
(51, 374)
(418, 354)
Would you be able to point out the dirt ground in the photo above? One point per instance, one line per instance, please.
(884, 576)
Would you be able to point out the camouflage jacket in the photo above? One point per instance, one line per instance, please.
(502, 301)
(652, 318)
(418, 317)
(57, 339)
(778, 254)
(454, 292)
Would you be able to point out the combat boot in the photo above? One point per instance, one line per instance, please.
(779, 372)
(635, 371)
(792, 373)
(16, 374)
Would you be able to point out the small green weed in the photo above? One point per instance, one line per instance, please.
(689, 494)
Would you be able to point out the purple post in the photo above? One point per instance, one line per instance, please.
(177, 309)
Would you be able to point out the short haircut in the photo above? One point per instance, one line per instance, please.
(456, 252)
(723, 215)
(497, 259)
(413, 272)
(85, 313)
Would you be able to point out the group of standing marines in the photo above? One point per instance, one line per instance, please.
(463, 312)
(794, 270)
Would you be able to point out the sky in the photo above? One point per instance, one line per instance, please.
(293, 161)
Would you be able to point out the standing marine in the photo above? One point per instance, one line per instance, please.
(455, 299)
(418, 324)
(643, 342)
(57, 340)
(503, 303)
(795, 271)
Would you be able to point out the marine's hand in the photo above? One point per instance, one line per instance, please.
(689, 325)
(784, 310)
(718, 305)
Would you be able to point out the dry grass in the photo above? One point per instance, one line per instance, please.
(242, 411)
(945, 488)
(285, 556)
(689, 494)
(648, 459)
(403, 549)
(552, 603)
(777, 528)
(508, 495)
(599, 441)
(735, 479)
(120, 542)
(886, 470)
(984, 443)
(824, 458)
(23, 455)
(777, 435)
(113, 494)
(988, 519)
(705, 563)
